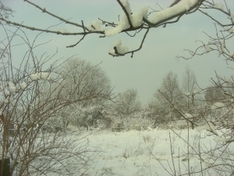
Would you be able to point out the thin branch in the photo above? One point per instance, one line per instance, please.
(50, 31)
(55, 16)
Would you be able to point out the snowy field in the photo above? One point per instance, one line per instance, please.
(146, 153)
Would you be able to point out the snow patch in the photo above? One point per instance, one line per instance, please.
(232, 55)
(208, 127)
(63, 31)
(12, 87)
(180, 7)
(220, 139)
(7, 92)
(96, 26)
(219, 6)
(34, 77)
(23, 85)
(119, 47)
(217, 105)
(40, 75)
(188, 116)
(44, 75)
(126, 5)
(207, 48)
(135, 18)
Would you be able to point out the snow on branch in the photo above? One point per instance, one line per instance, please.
(40, 75)
(130, 20)
(138, 21)
(178, 9)
(118, 49)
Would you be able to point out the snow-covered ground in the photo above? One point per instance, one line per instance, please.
(150, 152)
(142, 153)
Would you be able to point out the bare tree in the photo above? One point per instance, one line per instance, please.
(169, 91)
(214, 94)
(190, 88)
(83, 79)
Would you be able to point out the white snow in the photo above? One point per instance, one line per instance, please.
(44, 75)
(182, 6)
(7, 92)
(63, 31)
(187, 115)
(219, 6)
(126, 5)
(232, 55)
(137, 153)
(136, 19)
(208, 127)
(123, 24)
(34, 76)
(141, 153)
(217, 105)
(220, 139)
(119, 47)
(23, 85)
(207, 48)
(96, 26)
(12, 87)
(40, 75)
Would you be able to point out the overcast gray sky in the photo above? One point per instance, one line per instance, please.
(145, 71)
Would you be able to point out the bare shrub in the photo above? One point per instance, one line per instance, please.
(30, 96)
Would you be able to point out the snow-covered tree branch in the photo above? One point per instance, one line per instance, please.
(131, 21)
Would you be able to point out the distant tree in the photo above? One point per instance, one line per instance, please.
(127, 103)
(158, 113)
(169, 94)
(78, 80)
(189, 88)
(82, 79)
(214, 94)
